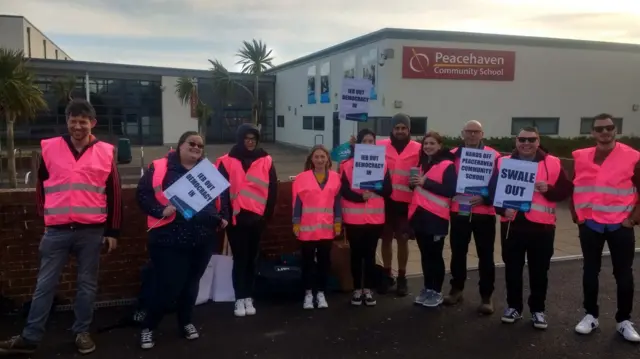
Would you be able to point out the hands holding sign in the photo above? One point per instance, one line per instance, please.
(168, 211)
(541, 187)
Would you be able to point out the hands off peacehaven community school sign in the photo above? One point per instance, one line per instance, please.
(476, 168)
(457, 64)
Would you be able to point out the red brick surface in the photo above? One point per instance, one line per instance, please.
(21, 230)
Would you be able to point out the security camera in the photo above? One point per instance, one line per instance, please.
(382, 59)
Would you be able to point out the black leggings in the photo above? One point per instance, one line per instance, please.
(245, 243)
(431, 248)
(363, 241)
(316, 255)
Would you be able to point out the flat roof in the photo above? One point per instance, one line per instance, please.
(42, 33)
(103, 67)
(455, 36)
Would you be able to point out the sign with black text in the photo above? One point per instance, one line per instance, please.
(476, 168)
(368, 167)
(516, 184)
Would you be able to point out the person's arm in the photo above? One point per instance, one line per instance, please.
(572, 207)
(273, 193)
(114, 202)
(337, 209)
(347, 192)
(42, 175)
(561, 190)
(386, 186)
(146, 196)
(448, 186)
(635, 214)
(225, 197)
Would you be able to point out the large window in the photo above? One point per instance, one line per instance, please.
(545, 125)
(586, 122)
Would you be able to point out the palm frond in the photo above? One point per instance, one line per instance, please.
(19, 95)
(184, 89)
(254, 57)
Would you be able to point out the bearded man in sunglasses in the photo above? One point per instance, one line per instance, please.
(605, 197)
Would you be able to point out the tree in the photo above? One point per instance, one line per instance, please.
(255, 59)
(20, 99)
(63, 88)
(187, 91)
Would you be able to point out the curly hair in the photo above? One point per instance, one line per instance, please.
(308, 163)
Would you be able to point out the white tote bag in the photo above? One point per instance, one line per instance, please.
(206, 282)
(222, 288)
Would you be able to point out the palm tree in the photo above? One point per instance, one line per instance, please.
(255, 59)
(187, 91)
(20, 98)
(63, 88)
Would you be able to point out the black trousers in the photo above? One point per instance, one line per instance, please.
(483, 228)
(363, 242)
(622, 245)
(316, 259)
(244, 241)
(537, 247)
(431, 248)
(176, 279)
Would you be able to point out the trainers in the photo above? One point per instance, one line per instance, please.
(240, 310)
(627, 331)
(321, 300)
(539, 320)
(433, 300)
(420, 299)
(369, 300)
(308, 301)
(17, 345)
(587, 324)
(454, 297)
(486, 307)
(190, 332)
(511, 315)
(84, 343)
(248, 307)
(356, 298)
(402, 288)
(146, 339)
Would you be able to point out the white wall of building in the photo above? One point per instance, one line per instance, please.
(41, 46)
(11, 33)
(176, 117)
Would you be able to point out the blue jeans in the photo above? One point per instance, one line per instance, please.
(56, 245)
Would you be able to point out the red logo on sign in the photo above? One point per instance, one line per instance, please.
(457, 64)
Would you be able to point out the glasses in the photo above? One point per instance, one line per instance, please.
(600, 129)
(527, 139)
(472, 132)
(194, 144)
(250, 139)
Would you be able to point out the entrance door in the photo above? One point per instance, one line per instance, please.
(336, 130)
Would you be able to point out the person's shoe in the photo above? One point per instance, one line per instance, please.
(539, 320)
(248, 307)
(308, 301)
(146, 339)
(454, 297)
(84, 343)
(321, 300)
(587, 324)
(486, 307)
(402, 288)
(17, 345)
(190, 332)
(627, 331)
(240, 310)
(356, 298)
(369, 300)
(510, 316)
(422, 297)
(433, 300)
(386, 283)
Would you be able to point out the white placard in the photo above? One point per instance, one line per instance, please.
(474, 174)
(516, 184)
(354, 100)
(196, 189)
(368, 167)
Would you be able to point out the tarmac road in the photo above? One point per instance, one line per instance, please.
(393, 329)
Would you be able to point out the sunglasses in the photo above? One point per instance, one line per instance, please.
(527, 139)
(600, 129)
(193, 144)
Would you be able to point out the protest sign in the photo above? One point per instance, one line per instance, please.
(196, 189)
(354, 101)
(476, 168)
(368, 167)
(516, 184)
(341, 152)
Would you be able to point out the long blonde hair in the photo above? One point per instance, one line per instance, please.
(308, 163)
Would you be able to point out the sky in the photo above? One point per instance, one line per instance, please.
(185, 33)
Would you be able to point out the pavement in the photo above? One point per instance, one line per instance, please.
(394, 329)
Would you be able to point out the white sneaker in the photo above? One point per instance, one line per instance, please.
(240, 310)
(587, 324)
(308, 301)
(322, 301)
(248, 307)
(627, 330)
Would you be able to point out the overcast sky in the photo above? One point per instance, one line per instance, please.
(185, 33)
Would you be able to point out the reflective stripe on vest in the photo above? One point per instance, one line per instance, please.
(605, 193)
(317, 220)
(369, 212)
(249, 190)
(75, 191)
(542, 210)
(159, 173)
(429, 201)
(399, 168)
(481, 208)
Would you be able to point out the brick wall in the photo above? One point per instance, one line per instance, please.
(21, 230)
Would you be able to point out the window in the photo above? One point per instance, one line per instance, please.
(318, 123)
(585, 125)
(418, 126)
(307, 123)
(545, 125)
(29, 41)
(280, 121)
(44, 46)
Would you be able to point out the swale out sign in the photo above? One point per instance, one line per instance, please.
(354, 102)
(368, 167)
(516, 183)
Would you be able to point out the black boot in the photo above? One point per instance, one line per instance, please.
(402, 289)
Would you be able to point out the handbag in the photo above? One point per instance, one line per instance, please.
(222, 285)
(341, 264)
